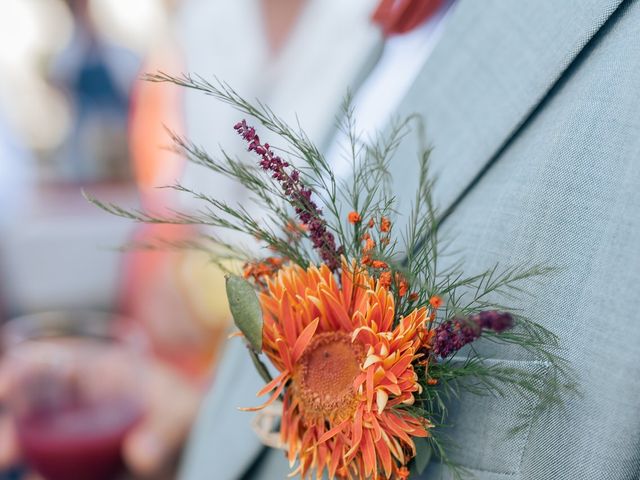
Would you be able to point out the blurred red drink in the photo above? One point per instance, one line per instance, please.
(74, 392)
(80, 442)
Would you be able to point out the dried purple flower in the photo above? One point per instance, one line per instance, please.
(451, 335)
(494, 320)
(299, 196)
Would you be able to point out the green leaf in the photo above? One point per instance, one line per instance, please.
(423, 455)
(246, 310)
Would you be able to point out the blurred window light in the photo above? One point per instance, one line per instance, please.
(31, 32)
(18, 31)
(134, 24)
(30, 28)
(44, 117)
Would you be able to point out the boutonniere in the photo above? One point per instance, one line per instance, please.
(359, 335)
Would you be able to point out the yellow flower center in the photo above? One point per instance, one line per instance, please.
(325, 374)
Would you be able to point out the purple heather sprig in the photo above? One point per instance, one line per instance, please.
(306, 209)
(452, 335)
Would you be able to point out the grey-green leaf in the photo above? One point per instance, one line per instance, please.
(245, 308)
(423, 454)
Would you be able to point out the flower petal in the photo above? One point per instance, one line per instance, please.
(303, 340)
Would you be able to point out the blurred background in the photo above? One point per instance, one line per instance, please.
(75, 115)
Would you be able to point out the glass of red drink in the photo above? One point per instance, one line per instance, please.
(73, 393)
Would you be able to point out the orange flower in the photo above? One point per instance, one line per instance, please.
(403, 285)
(371, 223)
(261, 269)
(385, 279)
(295, 229)
(413, 297)
(435, 301)
(369, 245)
(385, 224)
(366, 260)
(403, 473)
(354, 217)
(379, 264)
(345, 371)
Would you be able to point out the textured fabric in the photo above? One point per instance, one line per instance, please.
(533, 109)
(565, 192)
(223, 444)
(494, 64)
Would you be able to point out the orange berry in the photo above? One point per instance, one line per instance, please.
(275, 261)
(403, 285)
(403, 473)
(379, 264)
(246, 271)
(369, 245)
(385, 279)
(435, 301)
(354, 217)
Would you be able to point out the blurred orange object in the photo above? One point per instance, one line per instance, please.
(155, 107)
(177, 297)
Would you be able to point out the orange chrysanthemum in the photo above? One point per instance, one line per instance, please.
(344, 370)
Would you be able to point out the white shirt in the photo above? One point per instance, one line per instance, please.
(384, 88)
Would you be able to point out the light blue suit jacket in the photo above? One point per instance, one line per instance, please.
(533, 107)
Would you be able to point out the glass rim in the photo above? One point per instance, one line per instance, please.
(82, 323)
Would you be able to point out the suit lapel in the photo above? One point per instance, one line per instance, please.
(494, 65)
